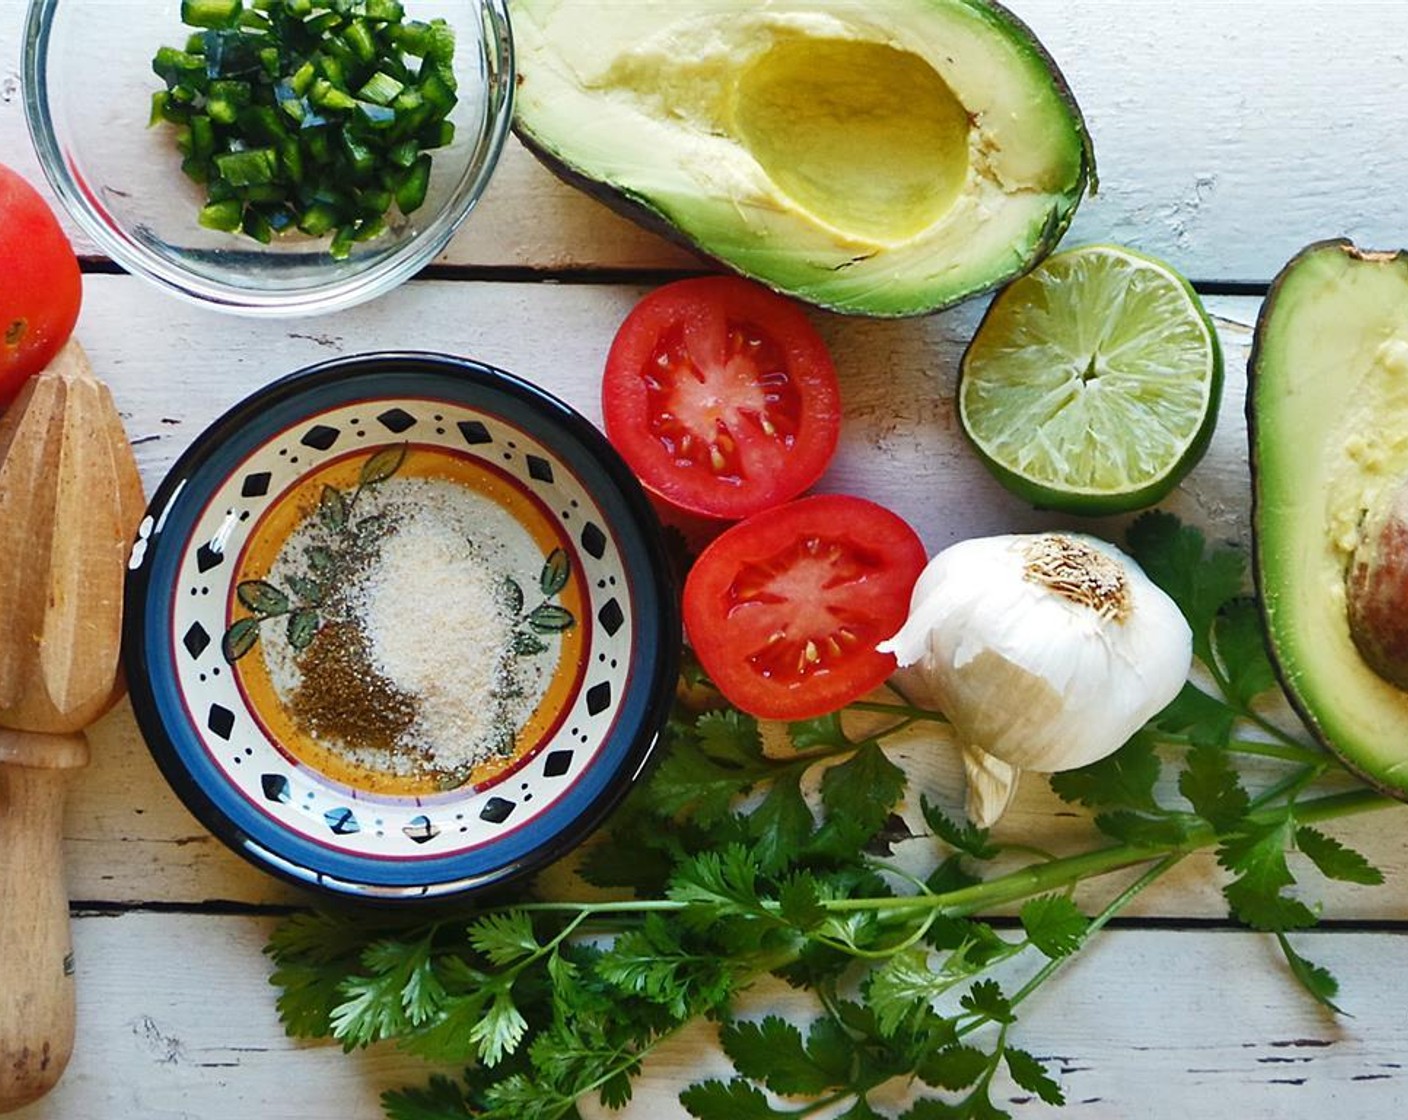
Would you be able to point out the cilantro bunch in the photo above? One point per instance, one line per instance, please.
(736, 860)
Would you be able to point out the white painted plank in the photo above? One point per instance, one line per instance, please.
(176, 1022)
(1227, 136)
(128, 837)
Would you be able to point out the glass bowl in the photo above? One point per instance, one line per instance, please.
(400, 627)
(88, 86)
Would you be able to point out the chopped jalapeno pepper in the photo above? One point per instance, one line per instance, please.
(314, 115)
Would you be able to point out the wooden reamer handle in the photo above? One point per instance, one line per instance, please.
(37, 1005)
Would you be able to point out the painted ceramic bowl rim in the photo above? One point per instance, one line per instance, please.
(167, 534)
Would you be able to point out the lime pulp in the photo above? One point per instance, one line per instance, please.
(1092, 383)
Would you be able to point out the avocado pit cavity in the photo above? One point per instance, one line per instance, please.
(867, 138)
(1376, 589)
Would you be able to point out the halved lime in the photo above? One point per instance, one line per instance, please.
(1092, 383)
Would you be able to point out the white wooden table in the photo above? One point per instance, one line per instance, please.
(1228, 135)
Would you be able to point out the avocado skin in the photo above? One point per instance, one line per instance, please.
(638, 209)
(1270, 591)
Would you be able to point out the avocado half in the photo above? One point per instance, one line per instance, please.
(1327, 408)
(880, 159)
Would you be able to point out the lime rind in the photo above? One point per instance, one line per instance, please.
(1092, 384)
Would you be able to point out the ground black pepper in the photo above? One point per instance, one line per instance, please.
(341, 696)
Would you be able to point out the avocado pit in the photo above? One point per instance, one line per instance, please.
(1376, 589)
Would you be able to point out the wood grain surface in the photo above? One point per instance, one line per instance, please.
(1228, 135)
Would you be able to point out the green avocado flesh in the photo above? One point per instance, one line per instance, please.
(1328, 405)
(878, 159)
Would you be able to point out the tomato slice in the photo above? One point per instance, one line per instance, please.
(784, 610)
(721, 396)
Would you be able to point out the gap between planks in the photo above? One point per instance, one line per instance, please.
(635, 277)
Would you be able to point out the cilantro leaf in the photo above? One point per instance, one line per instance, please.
(1258, 859)
(517, 1097)
(782, 824)
(858, 795)
(318, 937)
(1054, 924)
(505, 937)
(730, 736)
(708, 765)
(953, 1067)
(654, 963)
(1123, 780)
(799, 902)
(446, 1038)
(822, 731)
(443, 1098)
(726, 880)
(903, 987)
(1335, 860)
(931, 1109)
(1173, 556)
(860, 1110)
(616, 1091)
(500, 1029)
(370, 1011)
(1031, 1075)
(409, 966)
(309, 995)
(771, 1051)
(1316, 980)
(1213, 788)
(950, 875)
(1141, 829)
(831, 1049)
(1206, 720)
(689, 781)
(966, 837)
(985, 998)
(313, 954)
(728, 1100)
(1240, 648)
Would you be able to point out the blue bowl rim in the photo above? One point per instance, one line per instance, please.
(657, 691)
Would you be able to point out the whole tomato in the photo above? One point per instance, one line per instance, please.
(40, 285)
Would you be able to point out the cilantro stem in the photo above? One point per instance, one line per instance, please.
(909, 712)
(1285, 752)
(1288, 786)
(1278, 733)
(1014, 886)
(1097, 923)
(822, 1104)
(1052, 876)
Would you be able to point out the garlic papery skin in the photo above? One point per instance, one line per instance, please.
(1046, 651)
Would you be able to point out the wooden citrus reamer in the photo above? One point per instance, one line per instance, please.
(70, 500)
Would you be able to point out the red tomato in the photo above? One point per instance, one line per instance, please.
(721, 396)
(40, 286)
(784, 609)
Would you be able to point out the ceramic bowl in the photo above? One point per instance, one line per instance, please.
(88, 86)
(399, 626)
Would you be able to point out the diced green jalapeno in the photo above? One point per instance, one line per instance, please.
(313, 115)
(210, 13)
(225, 215)
(410, 195)
(243, 169)
(381, 88)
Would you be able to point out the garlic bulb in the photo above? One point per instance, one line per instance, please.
(1046, 652)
